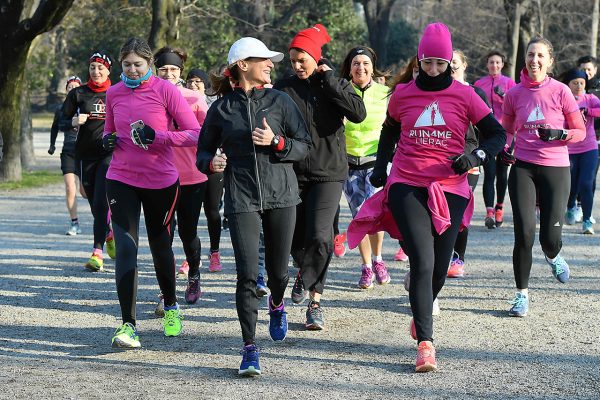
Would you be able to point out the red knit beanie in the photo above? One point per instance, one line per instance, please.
(311, 40)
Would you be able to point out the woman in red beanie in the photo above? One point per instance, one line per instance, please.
(427, 196)
(324, 101)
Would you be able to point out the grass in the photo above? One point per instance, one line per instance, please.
(32, 179)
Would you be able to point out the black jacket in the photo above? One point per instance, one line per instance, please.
(82, 100)
(324, 101)
(257, 178)
(70, 133)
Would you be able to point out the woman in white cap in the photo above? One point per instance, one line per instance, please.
(261, 187)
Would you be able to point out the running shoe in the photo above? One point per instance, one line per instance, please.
(299, 294)
(490, 221)
(457, 268)
(126, 337)
(426, 357)
(184, 269)
(250, 365)
(436, 308)
(413, 329)
(159, 310)
(314, 317)
(261, 288)
(74, 229)
(215, 262)
(111, 249)
(578, 214)
(381, 273)
(588, 227)
(366, 278)
(339, 246)
(278, 325)
(498, 216)
(570, 216)
(560, 268)
(193, 291)
(95, 263)
(407, 281)
(172, 321)
(592, 219)
(400, 255)
(520, 305)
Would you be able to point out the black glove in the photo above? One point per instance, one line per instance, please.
(378, 177)
(498, 90)
(461, 163)
(109, 141)
(51, 149)
(506, 156)
(548, 135)
(143, 137)
(326, 62)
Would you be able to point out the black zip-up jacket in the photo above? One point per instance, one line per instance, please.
(257, 178)
(324, 100)
(82, 100)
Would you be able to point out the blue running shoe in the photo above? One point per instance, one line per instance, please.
(560, 268)
(261, 288)
(249, 365)
(278, 326)
(520, 305)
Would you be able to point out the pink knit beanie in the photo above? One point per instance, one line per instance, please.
(436, 42)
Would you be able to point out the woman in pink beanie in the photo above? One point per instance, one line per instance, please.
(427, 197)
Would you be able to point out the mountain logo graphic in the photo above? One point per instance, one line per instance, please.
(536, 114)
(431, 116)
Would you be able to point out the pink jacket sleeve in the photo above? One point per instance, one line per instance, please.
(594, 109)
(189, 127)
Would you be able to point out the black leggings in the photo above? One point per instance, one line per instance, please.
(93, 180)
(498, 171)
(188, 212)
(460, 247)
(212, 197)
(553, 184)
(159, 207)
(313, 236)
(429, 252)
(278, 227)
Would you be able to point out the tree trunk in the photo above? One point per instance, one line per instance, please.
(27, 151)
(594, 34)
(377, 16)
(515, 10)
(165, 23)
(59, 75)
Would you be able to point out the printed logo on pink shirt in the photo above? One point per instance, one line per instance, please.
(536, 114)
(431, 116)
(532, 121)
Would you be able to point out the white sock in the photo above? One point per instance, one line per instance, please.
(524, 292)
(368, 265)
(378, 258)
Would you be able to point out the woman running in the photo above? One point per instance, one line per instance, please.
(262, 190)
(536, 111)
(142, 173)
(359, 67)
(85, 106)
(495, 86)
(169, 66)
(583, 155)
(427, 196)
(68, 164)
(324, 101)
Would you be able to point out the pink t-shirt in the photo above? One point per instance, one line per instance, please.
(592, 103)
(156, 102)
(185, 157)
(533, 106)
(433, 128)
(488, 83)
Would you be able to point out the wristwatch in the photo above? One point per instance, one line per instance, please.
(275, 141)
(480, 154)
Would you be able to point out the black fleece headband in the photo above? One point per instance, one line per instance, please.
(169, 59)
(361, 51)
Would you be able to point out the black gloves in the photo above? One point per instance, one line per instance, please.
(143, 136)
(548, 135)
(326, 62)
(51, 149)
(506, 156)
(464, 162)
(109, 141)
(498, 90)
(378, 177)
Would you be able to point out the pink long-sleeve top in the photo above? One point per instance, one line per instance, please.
(547, 104)
(592, 105)
(156, 102)
(185, 157)
(488, 84)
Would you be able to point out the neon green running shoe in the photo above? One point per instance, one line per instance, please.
(110, 245)
(172, 322)
(126, 337)
(95, 263)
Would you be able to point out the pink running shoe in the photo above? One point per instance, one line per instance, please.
(381, 272)
(413, 329)
(367, 277)
(457, 268)
(400, 255)
(426, 357)
(184, 269)
(215, 262)
(339, 246)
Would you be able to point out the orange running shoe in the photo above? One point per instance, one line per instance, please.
(426, 357)
(339, 247)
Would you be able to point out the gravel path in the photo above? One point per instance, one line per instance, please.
(56, 321)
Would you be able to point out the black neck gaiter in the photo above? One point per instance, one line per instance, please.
(434, 84)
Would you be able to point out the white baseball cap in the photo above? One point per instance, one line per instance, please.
(247, 47)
